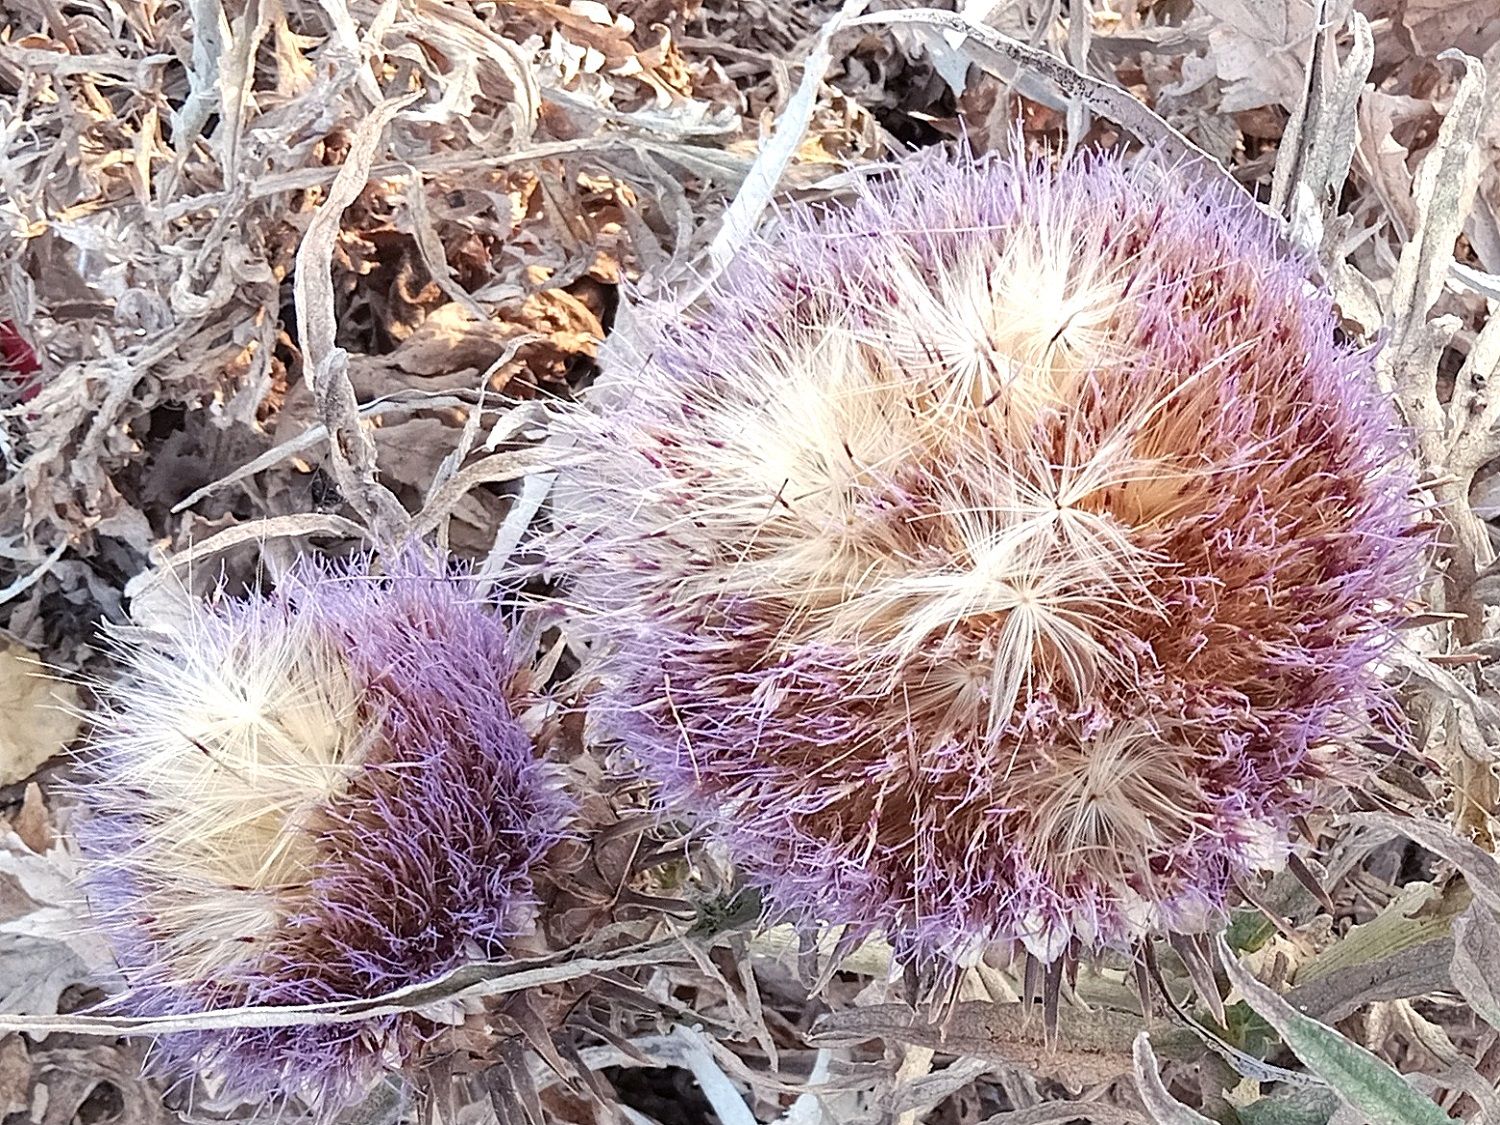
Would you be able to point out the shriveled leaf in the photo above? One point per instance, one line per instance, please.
(1467, 25)
(46, 944)
(1255, 48)
(1357, 1076)
(1480, 868)
(991, 49)
(352, 454)
(760, 185)
(1159, 1100)
(1476, 961)
(1314, 158)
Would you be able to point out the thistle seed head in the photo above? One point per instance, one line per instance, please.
(1000, 558)
(317, 795)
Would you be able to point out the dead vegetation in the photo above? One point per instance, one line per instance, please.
(275, 273)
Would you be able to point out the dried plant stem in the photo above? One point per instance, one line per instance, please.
(916, 1062)
(1457, 440)
(466, 983)
(353, 451)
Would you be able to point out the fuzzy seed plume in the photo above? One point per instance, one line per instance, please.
(1000, 558)
(322, 793)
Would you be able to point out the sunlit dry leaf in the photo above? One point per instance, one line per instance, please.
(38, 709)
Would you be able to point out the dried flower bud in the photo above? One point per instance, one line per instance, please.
(999, 558)
(318, 795)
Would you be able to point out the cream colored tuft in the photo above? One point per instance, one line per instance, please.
(223, 752)
(1109, 804)
(816, 500)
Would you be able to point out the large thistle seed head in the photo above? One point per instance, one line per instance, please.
(1000, 558)
(321, 794)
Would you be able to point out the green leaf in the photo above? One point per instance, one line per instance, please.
(1404, 951)
(1291, 1107)
(1362, 1080)
(1249, 930)
(727, 912)
(1248, 1030)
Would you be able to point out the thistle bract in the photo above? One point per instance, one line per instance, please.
(998, 558)
(318, 795)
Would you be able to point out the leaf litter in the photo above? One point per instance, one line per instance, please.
(276, 273)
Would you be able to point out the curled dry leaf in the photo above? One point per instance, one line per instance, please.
(1165, 1109)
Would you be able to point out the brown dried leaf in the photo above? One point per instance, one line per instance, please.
(39, 714)
(1470, 26)
(1257, 48)
(15, 1076)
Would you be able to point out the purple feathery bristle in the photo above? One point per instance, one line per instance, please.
(391, 813)
(1001, 558)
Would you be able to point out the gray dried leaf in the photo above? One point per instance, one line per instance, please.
(989, 48)
(353, 452)
(1256, 47)
(46, 943)
(1313, 160)
(1166, 1109)
(441, 997)
(1092, 1046)
(1476, 961)
(1480, 869)
(1061, 1113)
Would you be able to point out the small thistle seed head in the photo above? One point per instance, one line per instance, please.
(1000, 558)
(320, 794)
